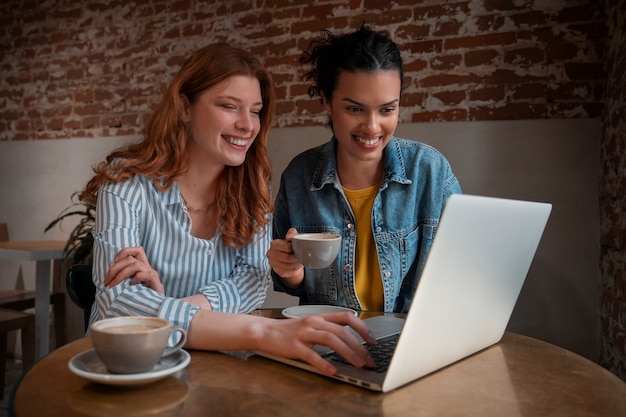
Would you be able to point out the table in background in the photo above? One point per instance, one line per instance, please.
(520, 376)
(44, 252)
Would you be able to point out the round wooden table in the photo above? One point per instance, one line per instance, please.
(519, 376)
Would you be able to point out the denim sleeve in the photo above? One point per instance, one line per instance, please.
(280, 225)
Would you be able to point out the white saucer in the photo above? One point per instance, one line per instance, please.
(88, 365)
(310, 310)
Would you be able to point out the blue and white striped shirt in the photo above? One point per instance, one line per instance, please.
(135, 213)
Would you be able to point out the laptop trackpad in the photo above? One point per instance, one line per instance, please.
(380, 326)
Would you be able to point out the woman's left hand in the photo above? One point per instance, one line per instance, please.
(132, 262)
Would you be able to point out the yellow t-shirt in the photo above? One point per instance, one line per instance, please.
(368, 282)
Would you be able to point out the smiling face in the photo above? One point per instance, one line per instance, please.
(224, 120)
(364, 110)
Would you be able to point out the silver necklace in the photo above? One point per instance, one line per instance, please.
(197, 210)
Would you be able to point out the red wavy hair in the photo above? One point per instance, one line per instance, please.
(162, 153)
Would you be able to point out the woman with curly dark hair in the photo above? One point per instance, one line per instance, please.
(382, 194)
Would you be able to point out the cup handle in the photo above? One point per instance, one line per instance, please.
(183, 338)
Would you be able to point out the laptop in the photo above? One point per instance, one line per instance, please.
(480, 256)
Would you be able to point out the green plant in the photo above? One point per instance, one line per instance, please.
(79, 246)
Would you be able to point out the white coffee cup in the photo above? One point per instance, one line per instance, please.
(133, 344)
(316, 250)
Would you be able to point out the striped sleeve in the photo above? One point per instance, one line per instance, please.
(120, 214)
(246, 277)
(135, 213)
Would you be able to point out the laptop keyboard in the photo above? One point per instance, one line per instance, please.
(380, 352)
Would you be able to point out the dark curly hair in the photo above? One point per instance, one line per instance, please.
(363, 50)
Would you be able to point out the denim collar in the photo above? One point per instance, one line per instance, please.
(326, 167)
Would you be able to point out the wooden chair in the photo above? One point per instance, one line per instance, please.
(11, 320)
(21, 300)
(81, 289)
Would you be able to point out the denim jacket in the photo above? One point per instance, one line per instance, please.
(415, 185)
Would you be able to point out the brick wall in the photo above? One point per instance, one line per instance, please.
(97, 68)
(612, 198)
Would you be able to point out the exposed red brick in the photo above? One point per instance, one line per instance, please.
(55, 124)
(91, 122)
(411, 32)
(173, 33)
(489, 22)
(510, 111)
(499, 39)
(9, 115)
(445, 62)
(529, 18)
(271, 4)
(524, 56)
(21, 125)
(285, 107)
(454, 115)
(531, 90)
(448, 79)
(298, 89)
(74, 73)
(450, 98)
(414, 65)
(563, 51)
(499, 5)
(65, 14)
(315, 12)
(481, 57)
(59, 111)
(103, 95)
(20, 136)
(125, 132)
(509, 77)
(412, 99)
(192, 30)
(40, 76)
(310, 106)
(89, 109)
(272, 31)
(276, 61)
(178, 6)
(55, 64)
(382, 5)
(422, 47)
(448, 28)
(72, 124)
(111, 121)
(443, 10)
(287, 13)
(492, 93)
(129, 120)
(382, 19)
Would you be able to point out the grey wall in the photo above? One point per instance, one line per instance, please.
(544, 160)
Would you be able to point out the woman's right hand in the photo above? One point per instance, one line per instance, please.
(284, 262)
(295, 338)
(132, 262)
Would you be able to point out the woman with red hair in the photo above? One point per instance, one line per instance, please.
(182, 217)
